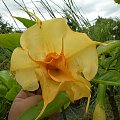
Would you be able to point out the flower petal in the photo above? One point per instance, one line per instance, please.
(21, 60)
(84, 62)
(78, 90)
(74, 88)
(74, 42)
(70, 85)
(41, 39)
(60, 76)
(49, 88)
(27, 79)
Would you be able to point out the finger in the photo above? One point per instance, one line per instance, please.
(28, 102)
(22, 94)
(31, 101)
(19, 107)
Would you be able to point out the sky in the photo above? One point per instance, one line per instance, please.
(91, 9)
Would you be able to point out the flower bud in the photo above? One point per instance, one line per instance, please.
(99, 113)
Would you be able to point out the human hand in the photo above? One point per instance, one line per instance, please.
(21, 103)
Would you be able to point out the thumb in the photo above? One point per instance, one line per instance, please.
(18, 108)
(31, 101)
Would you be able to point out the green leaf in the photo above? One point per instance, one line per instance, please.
(26, 22)
(3, 90)
(8, 80)
(108, 46)
(4, 77)
(59, 101)
(33, 112)
(12, 82)
(10, 41)
(8, 86)
(11, 94)
(117, 66)
(109, 78)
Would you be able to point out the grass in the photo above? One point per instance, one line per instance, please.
(4, 108)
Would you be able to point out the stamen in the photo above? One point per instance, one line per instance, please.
(88, 102)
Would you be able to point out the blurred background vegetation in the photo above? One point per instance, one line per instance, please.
(101, 29)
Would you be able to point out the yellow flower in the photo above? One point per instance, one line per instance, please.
(60, 59)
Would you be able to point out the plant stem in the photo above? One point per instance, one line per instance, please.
(106, 82)
(99, 112)
(101, 94)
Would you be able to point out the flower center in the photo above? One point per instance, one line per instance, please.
(52, 60)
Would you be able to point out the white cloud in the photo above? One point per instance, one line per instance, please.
(91, 8)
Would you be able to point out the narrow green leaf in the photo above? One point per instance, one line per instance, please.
(107, 46)
(3, 90)
(10, 41)
(4, 77)
(26, 22)
(109, 78)
(117, 66)
(12, 82)
(8, 80)
(101, 92)
(99, 112)
(33, 112)
(59, 101)
(11, 94)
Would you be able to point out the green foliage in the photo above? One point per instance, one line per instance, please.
(109, 78)
(4, 77)
(10, 41)
(75, 18)
(5, 27)
(9, 88)
(117, 66)
(3, 90)
(99, 112)
(5, 55)
(26, 22)
(101, 30)
(105, 29)
(108, 72)
(11, 94)
(33, 112)
(4, 108)
(117, 1)
(108, 46)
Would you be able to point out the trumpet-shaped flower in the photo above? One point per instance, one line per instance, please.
(56, 57)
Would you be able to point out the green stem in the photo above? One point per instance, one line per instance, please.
(101, 95)
(106, 82)
(99, 112)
